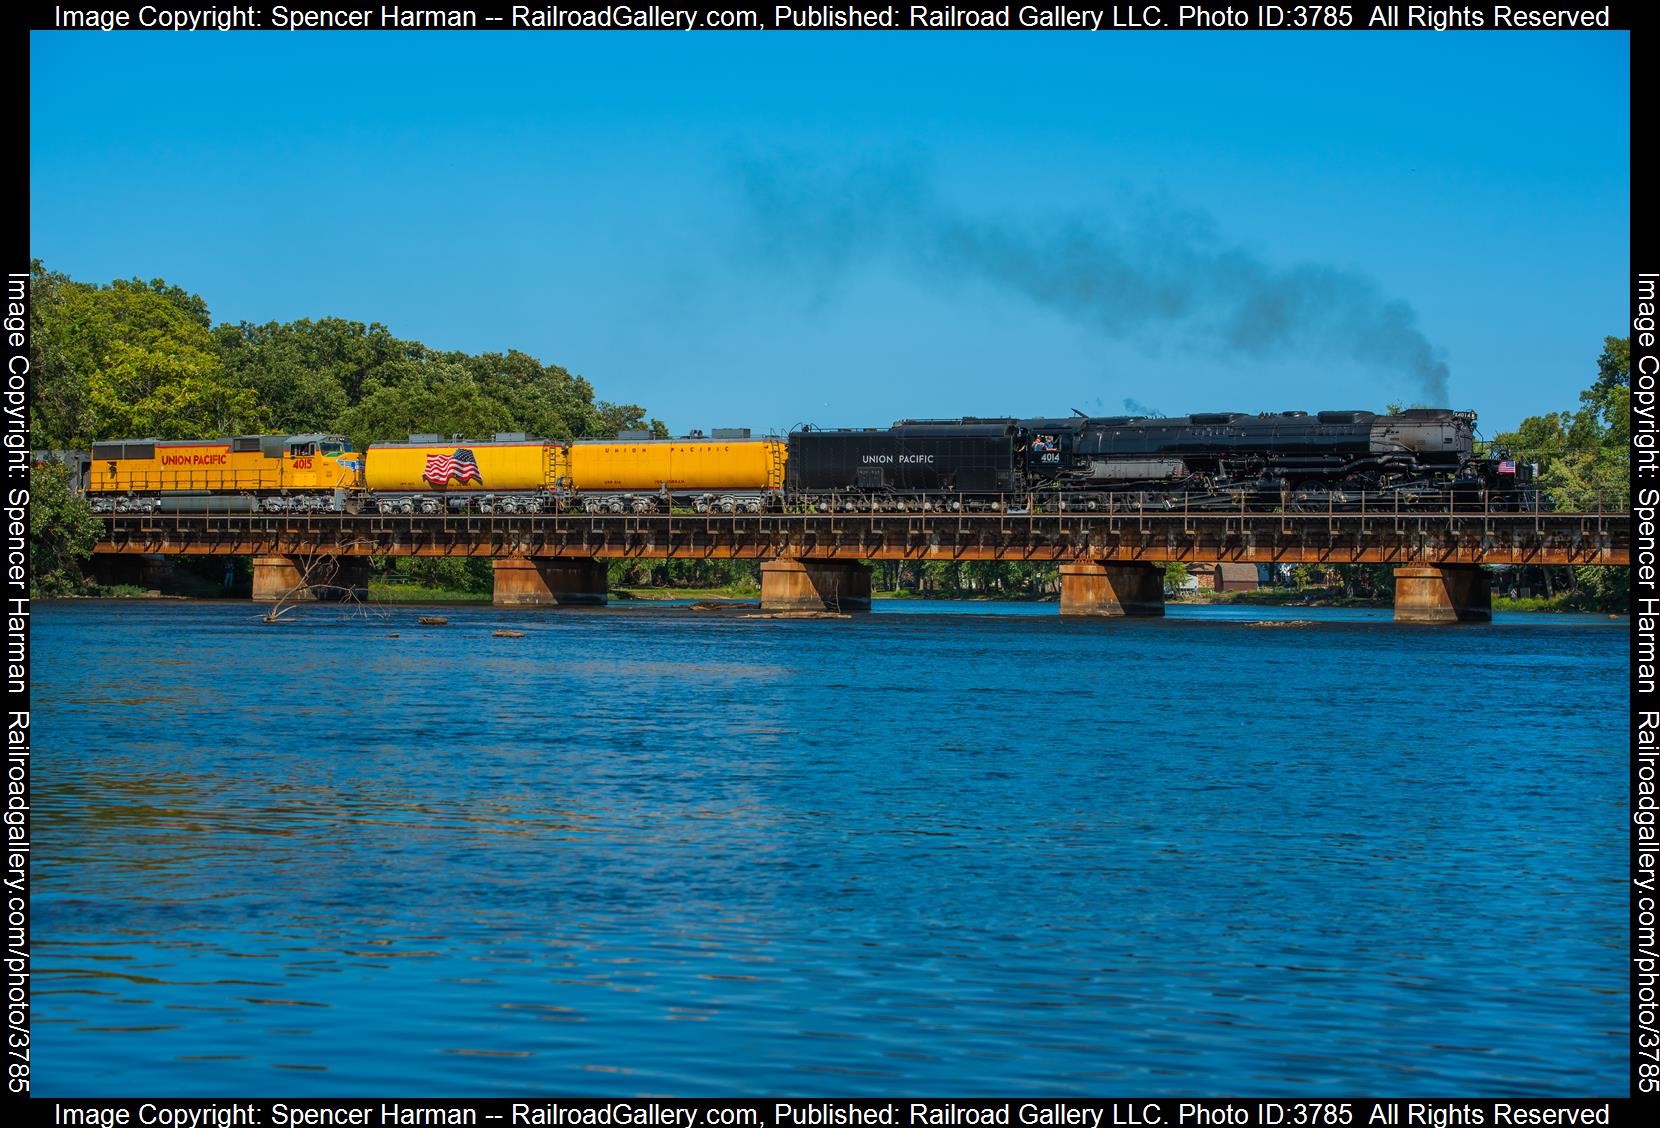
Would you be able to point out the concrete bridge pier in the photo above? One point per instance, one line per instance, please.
(815, 585)
(549, 581)
(1442, 593)
(1093, 587)
(298, 579)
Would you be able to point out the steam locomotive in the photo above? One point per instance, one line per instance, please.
(1215, 459)
(1332, 459)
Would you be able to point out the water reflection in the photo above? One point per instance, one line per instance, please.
(933, 850)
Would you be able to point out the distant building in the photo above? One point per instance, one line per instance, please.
(1225, 577)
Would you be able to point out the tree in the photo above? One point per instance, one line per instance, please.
(129, 360)
(1584, 459)
(309, 372)
(191, 305)
(449, 573)
(62, 531)
(614, 418)
(423, 396)
(142, 359)
(56, 391)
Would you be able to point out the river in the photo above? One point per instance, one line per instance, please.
(941, 849)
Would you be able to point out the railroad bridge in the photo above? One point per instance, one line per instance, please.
(1110, 562)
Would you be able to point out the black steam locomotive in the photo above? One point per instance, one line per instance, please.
(1332, 459)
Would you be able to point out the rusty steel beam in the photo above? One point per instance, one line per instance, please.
(1342, 538)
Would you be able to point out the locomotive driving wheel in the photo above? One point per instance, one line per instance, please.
(1309, 496)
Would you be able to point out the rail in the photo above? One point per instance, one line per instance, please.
(1471, 531)
(1100, 502)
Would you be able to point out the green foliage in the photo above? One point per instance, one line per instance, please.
(1584, 459)
(142, 360)
(418, 396)
(966, 579)
(308, 373)
(62, 531)
(731, 576)
(445, 573)
(128, 360)
(1585, 452)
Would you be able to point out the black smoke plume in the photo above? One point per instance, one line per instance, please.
(1144, 272)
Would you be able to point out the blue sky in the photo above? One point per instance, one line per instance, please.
(763, 229)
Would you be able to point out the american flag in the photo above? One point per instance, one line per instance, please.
(1508, 466)
(461, 465)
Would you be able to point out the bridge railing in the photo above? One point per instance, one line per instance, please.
(1337, 502)
(1377, 529)
(1334, 503)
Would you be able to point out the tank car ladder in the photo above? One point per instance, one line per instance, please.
(550, 472)
(775, 472)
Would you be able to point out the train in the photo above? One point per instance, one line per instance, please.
(1291, 459)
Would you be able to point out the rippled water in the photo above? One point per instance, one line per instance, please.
(940, 849)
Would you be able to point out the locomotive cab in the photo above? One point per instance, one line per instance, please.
(319, 462)
(1047, 450)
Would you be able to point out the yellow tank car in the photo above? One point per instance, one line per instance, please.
(513, 473)
(729, 472)
(273, 472)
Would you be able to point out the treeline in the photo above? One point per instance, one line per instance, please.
(1584, 454)
(135, 359)
(936, 579)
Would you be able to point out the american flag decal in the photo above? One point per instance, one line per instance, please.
(1508, 466)
(460, 466)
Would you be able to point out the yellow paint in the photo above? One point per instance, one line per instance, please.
(680, 465)
(600, 465)
(394, 467)
(205, 465)
(210, 464)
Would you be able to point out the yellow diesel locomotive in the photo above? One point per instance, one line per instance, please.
(276, 473)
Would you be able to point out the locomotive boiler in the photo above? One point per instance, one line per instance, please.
(1330, 458)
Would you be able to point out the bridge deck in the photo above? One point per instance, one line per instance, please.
(1150, 535)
